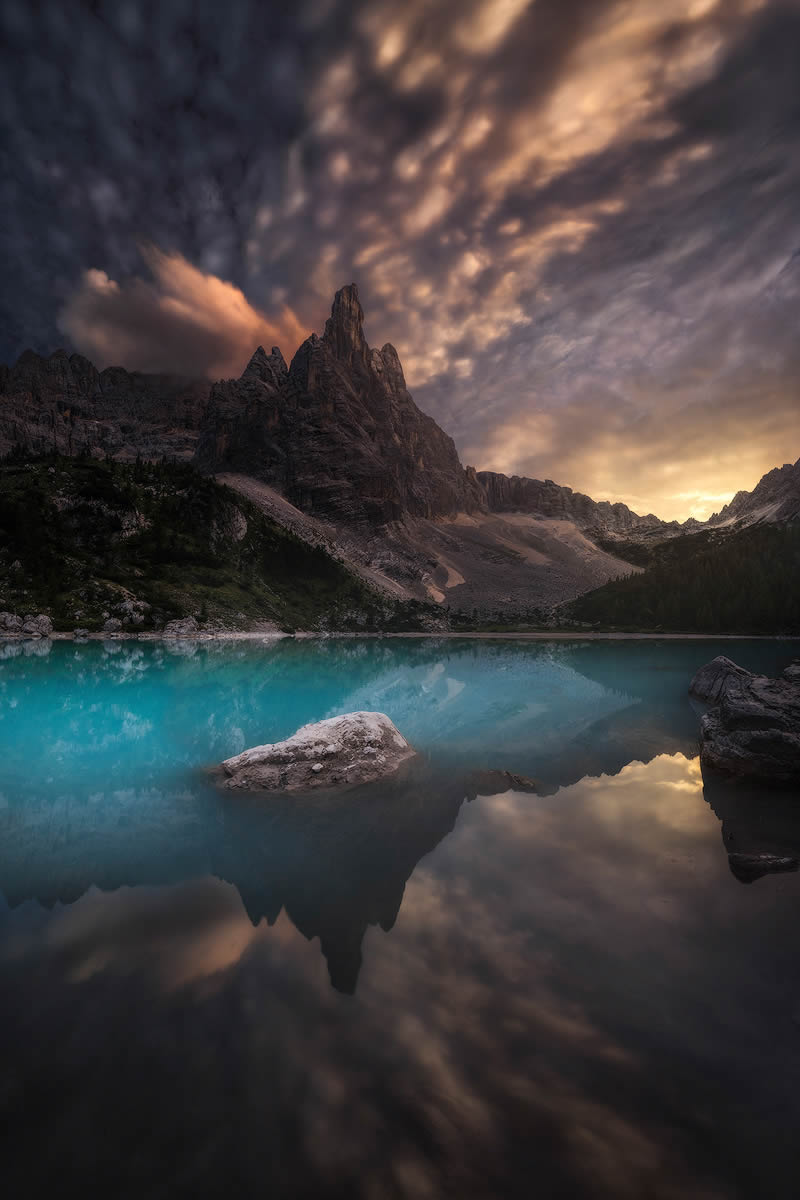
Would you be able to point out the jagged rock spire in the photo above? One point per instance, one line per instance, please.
(269, 368)
(344, 329)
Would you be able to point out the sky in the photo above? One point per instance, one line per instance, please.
(577, 220)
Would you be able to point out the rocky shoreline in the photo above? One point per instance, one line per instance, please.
(254, 635)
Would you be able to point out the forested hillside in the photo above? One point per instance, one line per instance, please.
(711, 582)
(84, 539)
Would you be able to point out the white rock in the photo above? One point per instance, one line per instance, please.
(358, 747)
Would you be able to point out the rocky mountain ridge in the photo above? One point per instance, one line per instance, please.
(518, 493)
(774, 499)
(335, 438)
(337, 432)
(62, 404)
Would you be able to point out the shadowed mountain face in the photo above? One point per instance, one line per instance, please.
(64, 404)
(338, 432)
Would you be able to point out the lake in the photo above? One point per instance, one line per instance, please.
(437, 987)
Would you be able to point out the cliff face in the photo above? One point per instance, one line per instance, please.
(64, 403)
(515, 493)
(338, 432)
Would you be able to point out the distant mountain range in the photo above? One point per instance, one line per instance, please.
(334, 447)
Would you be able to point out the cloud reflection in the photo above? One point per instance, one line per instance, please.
(539, 1007)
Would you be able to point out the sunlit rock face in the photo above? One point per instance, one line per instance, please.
(339, 433)
(64, 403)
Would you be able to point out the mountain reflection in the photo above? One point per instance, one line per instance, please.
(559, 999)
(101, 782)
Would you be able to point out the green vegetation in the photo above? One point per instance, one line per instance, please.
(709, 582)
(82, 538)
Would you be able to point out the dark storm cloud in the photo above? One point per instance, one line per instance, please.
(570, 217)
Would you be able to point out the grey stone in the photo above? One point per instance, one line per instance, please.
(37, 626)
(112, 625)
(356, 748)
(181, 628)
(753, 732)
(709, 681)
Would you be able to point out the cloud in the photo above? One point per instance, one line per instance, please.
(182, 321)
(557, 211)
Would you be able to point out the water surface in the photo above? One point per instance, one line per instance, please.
(435, 991)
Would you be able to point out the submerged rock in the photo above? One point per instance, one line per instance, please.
(181, 628)
(753, 732)
(359, 747)
(749, 867)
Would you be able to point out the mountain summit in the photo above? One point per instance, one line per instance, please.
(339, 434)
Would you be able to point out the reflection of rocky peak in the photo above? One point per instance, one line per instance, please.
(334, 866)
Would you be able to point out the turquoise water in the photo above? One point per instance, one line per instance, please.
(423, 990)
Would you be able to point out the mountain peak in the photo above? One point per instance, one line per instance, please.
(344, 329)
(269, 368)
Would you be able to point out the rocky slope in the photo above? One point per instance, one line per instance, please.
(132, 546)
(775, 499)
(337, 432)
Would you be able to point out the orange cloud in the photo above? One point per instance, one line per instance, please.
(181, 321)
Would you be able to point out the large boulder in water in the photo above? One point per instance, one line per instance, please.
(359, 747)
(753, 732)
